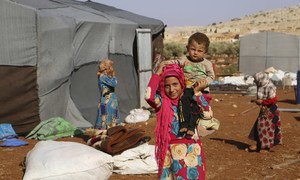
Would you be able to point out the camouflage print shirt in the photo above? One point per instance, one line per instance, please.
(195, 71)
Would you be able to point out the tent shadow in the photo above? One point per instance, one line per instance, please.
(83, 136)
(288, 101)
(297, 118)
(239, 145)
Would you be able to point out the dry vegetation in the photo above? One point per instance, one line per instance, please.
(285, 20)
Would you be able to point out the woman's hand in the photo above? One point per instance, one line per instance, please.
(160, 67)
(259, 101)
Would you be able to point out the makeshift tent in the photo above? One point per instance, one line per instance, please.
(269, 49)
(50, 51)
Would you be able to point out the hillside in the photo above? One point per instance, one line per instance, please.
(285, 20)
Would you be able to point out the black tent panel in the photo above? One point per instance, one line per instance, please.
(19, 102)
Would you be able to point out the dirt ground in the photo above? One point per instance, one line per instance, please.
(225, 153)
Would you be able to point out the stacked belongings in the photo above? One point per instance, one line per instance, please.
(117, 139)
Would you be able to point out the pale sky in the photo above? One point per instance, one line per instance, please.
(196, 12)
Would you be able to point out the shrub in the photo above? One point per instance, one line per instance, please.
(230, 69)
(176, 50)
(221, 48)
(173, 50)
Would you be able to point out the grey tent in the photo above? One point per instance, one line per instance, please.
(269, 49)
(50, 51)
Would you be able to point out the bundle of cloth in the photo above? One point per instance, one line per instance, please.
(117, 139)
(8, 137)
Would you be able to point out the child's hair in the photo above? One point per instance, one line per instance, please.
(106, 66)
(199, 38)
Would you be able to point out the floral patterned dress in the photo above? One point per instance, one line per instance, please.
(185, 157)
(266, 130)
(107, 114)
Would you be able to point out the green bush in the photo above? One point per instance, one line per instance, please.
(221, 48)
(230, 69)
(173, 50)
(176, 50)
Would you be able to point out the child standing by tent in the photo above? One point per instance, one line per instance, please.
(108, 115)
(266, 130)
(177, 158)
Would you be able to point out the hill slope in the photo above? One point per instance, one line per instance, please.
(285, 20)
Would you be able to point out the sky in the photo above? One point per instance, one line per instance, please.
(197, 12)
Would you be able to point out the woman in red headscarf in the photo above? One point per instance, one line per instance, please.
(177, 157)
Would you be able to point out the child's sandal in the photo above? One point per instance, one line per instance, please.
(251, 148)
(264, 151)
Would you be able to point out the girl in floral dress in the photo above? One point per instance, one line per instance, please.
(107, 114)
(266, 130)
(177, 158)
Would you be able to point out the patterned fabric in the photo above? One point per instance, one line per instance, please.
(184, 158)
(193, 72)
(184, 161)
(267, 128)
(265, 88)
(107, 114)
(51, 129)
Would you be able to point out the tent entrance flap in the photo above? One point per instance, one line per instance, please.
(19, 102)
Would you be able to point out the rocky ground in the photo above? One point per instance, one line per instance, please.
(225, 150)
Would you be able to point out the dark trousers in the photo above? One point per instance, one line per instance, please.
(189, 110)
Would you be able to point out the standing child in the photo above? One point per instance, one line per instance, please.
(266, 130)
(177, 158)
(108, 115)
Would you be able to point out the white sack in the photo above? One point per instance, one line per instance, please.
(138, 160)
(236, 80)
(52, 160)
(137, 115)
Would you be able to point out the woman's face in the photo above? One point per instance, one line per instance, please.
(173, 87)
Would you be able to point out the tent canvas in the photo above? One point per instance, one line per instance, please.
(57, 44)
(269, 49)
